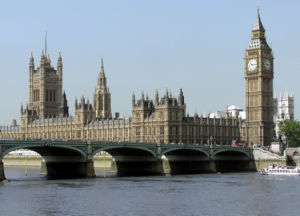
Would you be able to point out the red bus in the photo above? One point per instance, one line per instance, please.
(239, 143)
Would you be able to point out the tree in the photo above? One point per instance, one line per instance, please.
(291, 130)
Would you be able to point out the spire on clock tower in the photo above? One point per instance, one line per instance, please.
(258, 25)
(258, 39)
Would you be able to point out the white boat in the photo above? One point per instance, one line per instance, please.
(274, 169)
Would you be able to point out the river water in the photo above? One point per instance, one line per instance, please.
(183, 195)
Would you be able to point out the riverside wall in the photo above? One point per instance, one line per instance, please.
(263, 158)
(10, 160)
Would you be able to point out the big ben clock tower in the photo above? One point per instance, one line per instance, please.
(258, 66)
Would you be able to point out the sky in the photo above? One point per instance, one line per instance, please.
(195, 45)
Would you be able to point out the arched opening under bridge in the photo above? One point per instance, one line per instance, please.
(104, 164)
(23, 163)
(60, 162)
(186, 161)
(233, 161)
(132, 161)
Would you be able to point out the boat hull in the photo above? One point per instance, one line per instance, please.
(274, 169)
(281, 174)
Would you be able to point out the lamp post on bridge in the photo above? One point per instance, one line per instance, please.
(211, 141)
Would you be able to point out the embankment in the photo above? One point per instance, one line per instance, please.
(99, 161)
(263, 158)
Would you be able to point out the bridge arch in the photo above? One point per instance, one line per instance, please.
(41, 149)
(180, 160)
(185, 149)
(234, 151)
(131, 160)
(113, 149)
(232, 160)
(62, 160)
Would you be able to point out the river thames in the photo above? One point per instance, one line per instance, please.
(183, 195)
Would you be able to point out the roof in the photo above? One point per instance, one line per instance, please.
(258, 25)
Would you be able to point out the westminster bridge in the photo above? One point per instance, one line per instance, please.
(75, 158)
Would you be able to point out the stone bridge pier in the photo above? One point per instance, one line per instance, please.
(2, 175)
(69, 164)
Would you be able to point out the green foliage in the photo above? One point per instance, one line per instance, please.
(291, 130)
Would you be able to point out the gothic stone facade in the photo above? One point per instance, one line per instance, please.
(163, 119)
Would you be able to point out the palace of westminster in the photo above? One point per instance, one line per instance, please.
(162, 119)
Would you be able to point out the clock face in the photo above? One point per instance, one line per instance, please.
(267, 64)
(252, 64)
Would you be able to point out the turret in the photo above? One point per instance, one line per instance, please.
(76, 103)
(48, 59)
(59, 66)
(173, 101)
(31, 64)
(195, 116)
(181, 98)
(167, 93)
(156, 98)
(149, 102)
(82, 102)
(43, 58)
(166, 98)
(64, 108)
(43, 62)
(133, 100)
(85, 112)
(88, 104)
(142, 98)
(31, 71)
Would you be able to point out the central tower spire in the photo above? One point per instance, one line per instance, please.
(102, 77)
(102, 97)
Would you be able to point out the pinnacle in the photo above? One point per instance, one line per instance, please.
(102, 65)
(258, 25)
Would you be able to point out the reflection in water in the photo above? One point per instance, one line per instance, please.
(182, 195)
